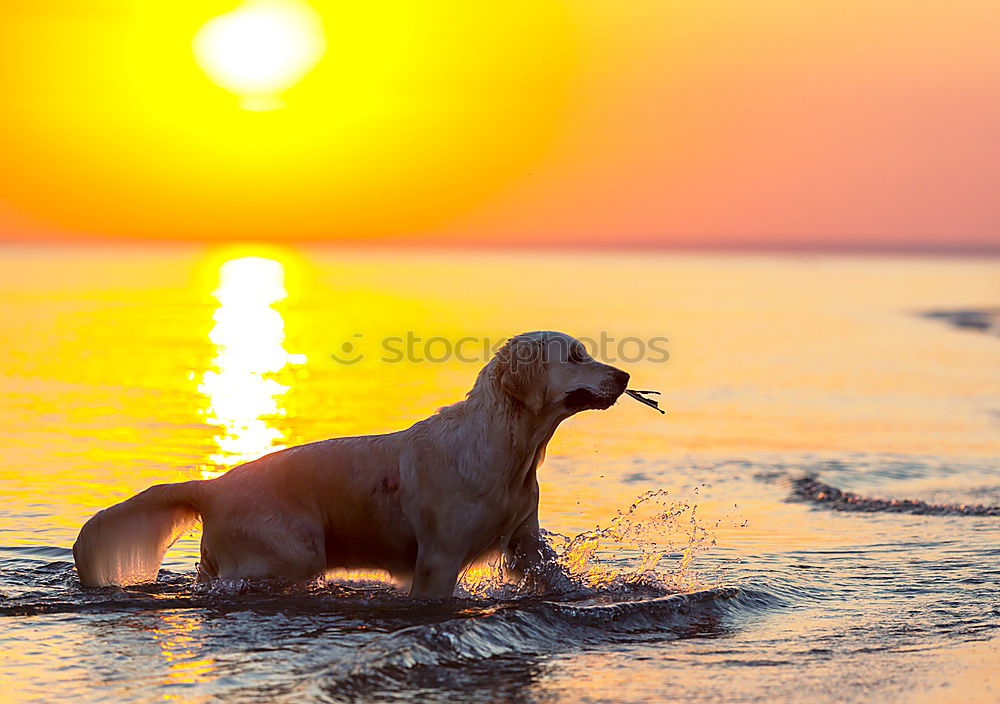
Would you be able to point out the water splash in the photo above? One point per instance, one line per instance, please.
(634, 545)
(650, 546)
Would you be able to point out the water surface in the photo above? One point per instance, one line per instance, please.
(701, 566)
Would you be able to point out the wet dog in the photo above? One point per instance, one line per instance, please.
(422, 503)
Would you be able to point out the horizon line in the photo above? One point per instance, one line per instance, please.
(638, 245)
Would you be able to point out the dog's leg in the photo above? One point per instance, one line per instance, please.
(528, 555)
(524, 551)
(435, 576)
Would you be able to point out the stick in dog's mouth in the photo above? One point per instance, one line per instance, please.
(638, 396)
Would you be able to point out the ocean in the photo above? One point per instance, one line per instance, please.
(814, 519)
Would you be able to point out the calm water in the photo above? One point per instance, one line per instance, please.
(702, 568)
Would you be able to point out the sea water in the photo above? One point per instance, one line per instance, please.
(811, 521)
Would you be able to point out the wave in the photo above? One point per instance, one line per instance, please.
(814, 491)
(532, 628)
(984, 320)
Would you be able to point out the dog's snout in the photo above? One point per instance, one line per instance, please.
(620, 377)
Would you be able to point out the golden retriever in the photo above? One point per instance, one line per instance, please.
(422, 503)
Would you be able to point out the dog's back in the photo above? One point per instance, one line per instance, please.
(291, 514)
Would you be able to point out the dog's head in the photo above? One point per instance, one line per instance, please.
(552, 373)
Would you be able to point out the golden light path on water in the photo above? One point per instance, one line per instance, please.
(249, 335)
(178, 636)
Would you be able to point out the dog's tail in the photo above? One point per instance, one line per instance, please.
(125, 544)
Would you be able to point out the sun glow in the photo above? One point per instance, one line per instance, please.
(397, 116)
(261, 49)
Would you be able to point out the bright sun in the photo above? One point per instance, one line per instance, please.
(261, 49)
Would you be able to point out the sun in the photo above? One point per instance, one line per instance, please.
(398, 116)
(261, 49)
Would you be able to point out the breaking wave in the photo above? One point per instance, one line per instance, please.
(532, 628)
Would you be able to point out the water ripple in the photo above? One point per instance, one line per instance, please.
(814, 491)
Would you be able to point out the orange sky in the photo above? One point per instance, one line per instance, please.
(684, 122)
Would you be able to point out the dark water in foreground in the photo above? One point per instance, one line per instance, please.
(814, 520)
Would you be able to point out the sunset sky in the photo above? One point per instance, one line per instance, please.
(717, 123)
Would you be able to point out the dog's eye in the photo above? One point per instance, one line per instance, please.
(577, 356)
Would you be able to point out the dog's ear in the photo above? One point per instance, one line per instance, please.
(524, 379)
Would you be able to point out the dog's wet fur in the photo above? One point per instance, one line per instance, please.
(422, 503)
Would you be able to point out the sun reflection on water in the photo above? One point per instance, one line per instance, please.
(249, 335)
(179, 646)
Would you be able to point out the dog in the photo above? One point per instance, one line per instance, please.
(422, 504)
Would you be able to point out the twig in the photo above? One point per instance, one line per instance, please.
(652, 403)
